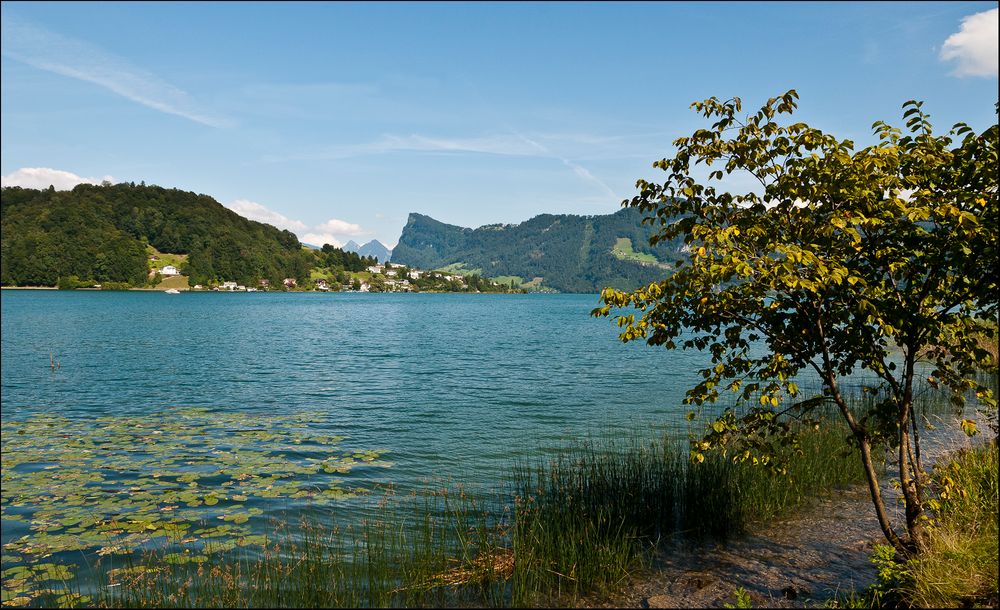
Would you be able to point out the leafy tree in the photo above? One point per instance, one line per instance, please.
(377, 283)
(101, 231)
(69, 282)
(845, 260)
(121, 259)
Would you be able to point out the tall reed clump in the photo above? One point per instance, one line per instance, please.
(429, 550)
(585, 520)
(579, 523)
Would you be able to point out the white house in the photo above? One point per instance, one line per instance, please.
(375, 269)
(169, 270)
(415, 275)
(229, 285)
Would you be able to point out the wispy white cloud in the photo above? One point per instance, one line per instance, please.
(321, 239)
(514, 144)
(511, 144)
(319, 101)
(78, 59)
(492, 145)
(255, 211)
(43, 177)
(974, 46)
(389, 143)
(334, 231)
(340, 227)
(578, 169)
(321, 90)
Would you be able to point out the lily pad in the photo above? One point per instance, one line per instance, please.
(114, 485)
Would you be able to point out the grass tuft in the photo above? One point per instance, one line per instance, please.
(959, 568)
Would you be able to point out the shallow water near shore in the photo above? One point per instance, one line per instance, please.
(309, 396)
(135, 420)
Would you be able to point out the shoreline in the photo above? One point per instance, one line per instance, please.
(286, 291)
(28, 288)
(804, 559)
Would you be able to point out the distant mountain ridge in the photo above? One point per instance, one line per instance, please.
(373, 248)
(563, 252)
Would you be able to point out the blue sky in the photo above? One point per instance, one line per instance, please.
(336, 120)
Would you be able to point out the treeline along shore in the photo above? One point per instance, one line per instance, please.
(127, 236)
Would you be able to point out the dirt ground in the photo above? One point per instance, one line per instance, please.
(812, 556)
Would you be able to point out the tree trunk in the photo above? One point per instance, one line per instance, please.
(909, 485)
(876, 493)
(909, 469)
(861, 434)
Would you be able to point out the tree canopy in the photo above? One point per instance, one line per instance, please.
(99, 232)
(840, 260)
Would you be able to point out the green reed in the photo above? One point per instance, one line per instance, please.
(959, 568)
(563, 528)
(585, 520)
(579, 523)
(436, 548)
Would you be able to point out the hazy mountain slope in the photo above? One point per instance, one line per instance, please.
(570, 253)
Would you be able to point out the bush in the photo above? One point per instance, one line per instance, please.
(69, 282)
(115, 286)
(960, 566)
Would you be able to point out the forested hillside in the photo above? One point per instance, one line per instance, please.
(99, 233)
(570, 253)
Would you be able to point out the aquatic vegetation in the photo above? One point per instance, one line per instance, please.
(586, 520)
(190, 478)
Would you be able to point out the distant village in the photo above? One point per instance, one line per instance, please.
(384, 277)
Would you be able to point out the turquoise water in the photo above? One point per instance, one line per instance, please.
(448, 383)
(177, 411)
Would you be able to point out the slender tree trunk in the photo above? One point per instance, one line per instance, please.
(911, 497)
(903, 548)
(861, 434)
(876, 494)
(918, 465)
(909, 471)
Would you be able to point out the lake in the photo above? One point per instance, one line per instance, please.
(449, 383)
(122, 405)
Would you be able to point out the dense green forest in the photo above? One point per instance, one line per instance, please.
(571, 253)
(99, 233)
